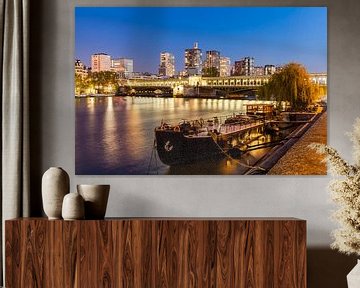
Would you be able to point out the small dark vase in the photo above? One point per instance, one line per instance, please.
(96, 198)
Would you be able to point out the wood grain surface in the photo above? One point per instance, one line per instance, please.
(156, 253)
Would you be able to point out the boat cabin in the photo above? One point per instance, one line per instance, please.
(265, 110)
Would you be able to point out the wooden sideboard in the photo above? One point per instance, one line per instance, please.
(156, 252)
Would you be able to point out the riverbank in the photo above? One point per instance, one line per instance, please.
(294, 162)
(167, 96)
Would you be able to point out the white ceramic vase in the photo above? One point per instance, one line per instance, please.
(55, 185)
(73, 207)
(353, 278)
(96, 198)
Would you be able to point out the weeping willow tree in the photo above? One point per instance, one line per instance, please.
(291, 84)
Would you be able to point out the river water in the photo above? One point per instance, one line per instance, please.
(115, 135)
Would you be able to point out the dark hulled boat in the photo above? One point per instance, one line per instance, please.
(194, 141)
(198, 140)
(175, 146)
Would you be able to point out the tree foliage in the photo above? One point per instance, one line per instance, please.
(211, 72)
(80, 84)
(291, 84)
(96, 80)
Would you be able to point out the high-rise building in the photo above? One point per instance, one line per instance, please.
(80, 68)
(167, 64)
(123, 66)
(245, 66)
(100, 62)
(237, 68)
(248, 65)
(232, 71)
(225, 67)
(212, 62)
(193, 60)
(269, 69)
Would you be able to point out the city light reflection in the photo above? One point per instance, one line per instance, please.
(115, 135)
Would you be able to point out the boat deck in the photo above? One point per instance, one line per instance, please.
(227, 129)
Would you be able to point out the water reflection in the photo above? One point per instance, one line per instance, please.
(115, 135)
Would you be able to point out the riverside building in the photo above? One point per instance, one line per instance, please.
(258, 71)
(123, 66)
(269, 69)
(100, 62)
(244, 66)
(80, 69)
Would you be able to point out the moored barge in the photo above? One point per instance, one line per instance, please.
(198, 140)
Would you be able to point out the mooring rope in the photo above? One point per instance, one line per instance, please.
(237, 161)
(153, 155)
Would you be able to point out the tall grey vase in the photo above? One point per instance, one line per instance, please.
(55, 185)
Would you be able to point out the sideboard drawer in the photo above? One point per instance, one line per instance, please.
(156, 252)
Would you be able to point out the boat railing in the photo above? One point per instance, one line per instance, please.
(217, 124)
(218, 119)
(231, 128)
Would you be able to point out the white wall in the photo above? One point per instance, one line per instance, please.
(53, 119)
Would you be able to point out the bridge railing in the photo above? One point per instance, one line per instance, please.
(230, 81)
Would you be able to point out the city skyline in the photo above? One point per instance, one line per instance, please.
(124, 32)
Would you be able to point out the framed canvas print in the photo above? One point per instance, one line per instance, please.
(200, 90)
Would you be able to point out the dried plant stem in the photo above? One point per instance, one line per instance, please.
(345, 192)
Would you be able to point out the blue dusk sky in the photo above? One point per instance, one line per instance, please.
(272, 35)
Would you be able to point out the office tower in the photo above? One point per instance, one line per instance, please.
(167, 64)
(225, 67)
(212, 63)
(193, 60)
